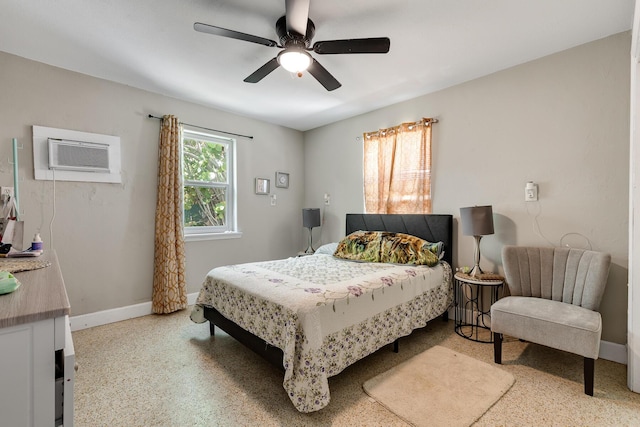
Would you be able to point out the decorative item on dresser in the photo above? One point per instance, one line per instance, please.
(313, 316)
(477, 221)
(310, 219)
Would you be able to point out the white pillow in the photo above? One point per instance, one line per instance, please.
(327, 249)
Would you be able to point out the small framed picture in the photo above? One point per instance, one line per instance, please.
(282, 180)
(263, 186)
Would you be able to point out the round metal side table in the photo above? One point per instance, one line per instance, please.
(473, 299)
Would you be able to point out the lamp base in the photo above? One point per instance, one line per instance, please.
(310, 250)
(476, 271)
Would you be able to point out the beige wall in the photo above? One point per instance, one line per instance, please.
(103, 233)
(561, 121)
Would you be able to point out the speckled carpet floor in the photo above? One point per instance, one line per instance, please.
(167, 371)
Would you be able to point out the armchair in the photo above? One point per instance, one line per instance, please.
(555, 296)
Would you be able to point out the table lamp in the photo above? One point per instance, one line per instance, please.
(477, 221)
(310, 219)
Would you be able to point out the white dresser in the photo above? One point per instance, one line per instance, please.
(36, 350)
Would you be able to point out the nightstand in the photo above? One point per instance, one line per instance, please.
(473, 299)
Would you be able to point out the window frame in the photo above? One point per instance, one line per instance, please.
(229, 230)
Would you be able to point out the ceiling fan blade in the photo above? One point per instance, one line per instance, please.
(263, 71)
(297, 14)
(370, 45)
(323, 76)
(219, 31)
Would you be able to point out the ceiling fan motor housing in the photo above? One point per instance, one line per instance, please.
(294, 39)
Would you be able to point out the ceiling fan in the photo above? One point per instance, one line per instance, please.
(295, 31)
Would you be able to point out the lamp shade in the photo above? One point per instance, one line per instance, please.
(477, 220)
(311, 217)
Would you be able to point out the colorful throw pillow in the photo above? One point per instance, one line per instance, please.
(384, 246)
(399, 248)
(437, 248)
(360, 246)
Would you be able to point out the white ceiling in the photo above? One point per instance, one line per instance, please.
(151, 44)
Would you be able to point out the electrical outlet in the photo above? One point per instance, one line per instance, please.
(531, 192)
(273, 199)
(327, 199)
(6, 193)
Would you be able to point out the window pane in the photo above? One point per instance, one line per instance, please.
(204, 161)
(204, 206)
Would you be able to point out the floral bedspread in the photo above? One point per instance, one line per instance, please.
(326, 313)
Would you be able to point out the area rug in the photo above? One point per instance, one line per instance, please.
(440, 387)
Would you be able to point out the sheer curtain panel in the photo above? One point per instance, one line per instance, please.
(169, 285)
(397, 169)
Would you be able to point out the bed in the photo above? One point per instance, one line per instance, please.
(314, 315)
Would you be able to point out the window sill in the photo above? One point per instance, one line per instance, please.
(212, 236)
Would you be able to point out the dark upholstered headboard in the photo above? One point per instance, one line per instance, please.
(432, 227)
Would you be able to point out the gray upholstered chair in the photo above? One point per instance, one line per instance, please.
(555, 295)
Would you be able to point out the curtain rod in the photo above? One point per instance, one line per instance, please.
(428, 120)
(201, 127)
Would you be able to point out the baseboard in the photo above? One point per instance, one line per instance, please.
(104, 317)
(613, 351)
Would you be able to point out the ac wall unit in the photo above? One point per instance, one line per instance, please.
(78, 156)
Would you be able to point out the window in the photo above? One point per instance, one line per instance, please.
(209, 184)
(397, 169)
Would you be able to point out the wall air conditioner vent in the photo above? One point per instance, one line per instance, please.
(78, 156)
(71, 155)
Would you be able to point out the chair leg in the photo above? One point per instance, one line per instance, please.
(589, 368)
(212, 328)
(497, 348)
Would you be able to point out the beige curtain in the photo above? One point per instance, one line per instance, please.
(397, 169)
(169, 285)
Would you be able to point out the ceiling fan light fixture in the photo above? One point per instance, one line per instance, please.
(295, 32)
(294, 60)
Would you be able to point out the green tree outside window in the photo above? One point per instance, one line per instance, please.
(206, 180)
